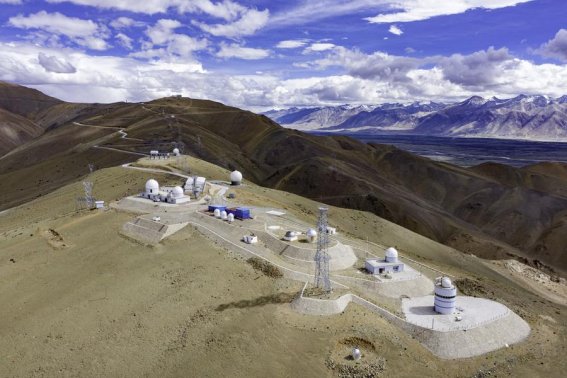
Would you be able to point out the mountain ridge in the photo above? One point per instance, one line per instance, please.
(535, 117)
(478, 210)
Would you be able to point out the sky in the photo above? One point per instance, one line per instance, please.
(261, 54)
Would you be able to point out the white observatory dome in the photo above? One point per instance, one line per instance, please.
(446, 282)
(177, 192)
(176, 151)
(311, 233)
(152, 186)
(236, 178)
(391, 255)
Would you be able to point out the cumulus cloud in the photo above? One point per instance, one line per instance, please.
(478, 69)
(124, 40)
(417, 10)
(395, 30)
(237, 51)
(83, 32)
(556, 47)
(13, 2)
(318, 47)
(291, 44)
(125, 22)
(164, 41)
(248, 23)
(54, 64)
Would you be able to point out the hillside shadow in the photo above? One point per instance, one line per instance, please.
(260, 301)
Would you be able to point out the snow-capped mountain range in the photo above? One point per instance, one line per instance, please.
(521, 117)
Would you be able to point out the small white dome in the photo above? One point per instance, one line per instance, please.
(236, 176)
(223, 215)
(446, 282)
(152, 186)
(177, 192)
(356, 354)
(176, 151)
(391, 252)
(230, 217)
(311, 233)
(216, 213)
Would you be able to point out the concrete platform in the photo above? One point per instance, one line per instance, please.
(473, 312)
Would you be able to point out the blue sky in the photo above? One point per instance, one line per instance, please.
(271, 54)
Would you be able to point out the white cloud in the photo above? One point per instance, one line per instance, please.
(13, 2)
(417, 10)
(83, 32)
(395, 30)
(124, 40)
(168, 42)
(125, 22)
(318, 47)
(237, 51)
(227, 10)
(291, 44)
(556, 47)
(250, 21)
(54, 64)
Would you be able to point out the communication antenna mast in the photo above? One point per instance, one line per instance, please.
(322, 279)
(88, 186)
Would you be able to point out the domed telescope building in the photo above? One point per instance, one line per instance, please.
(390, 263)
(235, 178)
(174, 195)
(445, 296)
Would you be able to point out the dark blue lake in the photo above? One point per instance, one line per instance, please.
(472, 151)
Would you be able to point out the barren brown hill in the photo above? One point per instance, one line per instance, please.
(492, 212)
(15, 130)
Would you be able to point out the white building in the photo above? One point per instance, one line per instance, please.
(331, 230)
(250, 239)
(235, 178)
(389, 264)
(195, 185)
(173, 195)
(176, 152)
(445, 296)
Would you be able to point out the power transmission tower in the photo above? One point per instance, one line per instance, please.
(322, 279)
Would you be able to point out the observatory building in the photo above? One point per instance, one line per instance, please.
(445, 295)
(173, 195)
(311, 235)
(176, 152)
(195, 185)
(235, 178)
(390, 263)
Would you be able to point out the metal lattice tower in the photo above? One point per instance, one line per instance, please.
(322, 279)
(88, 186)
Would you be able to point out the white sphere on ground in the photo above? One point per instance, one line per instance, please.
(223, 215)
(217, 213)
(152, 186)
(230, 217)
(236, 177)
(391, 254)
(176, 151)
(446, 282)
(356, 354)
(177, 192)
(311, 233)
